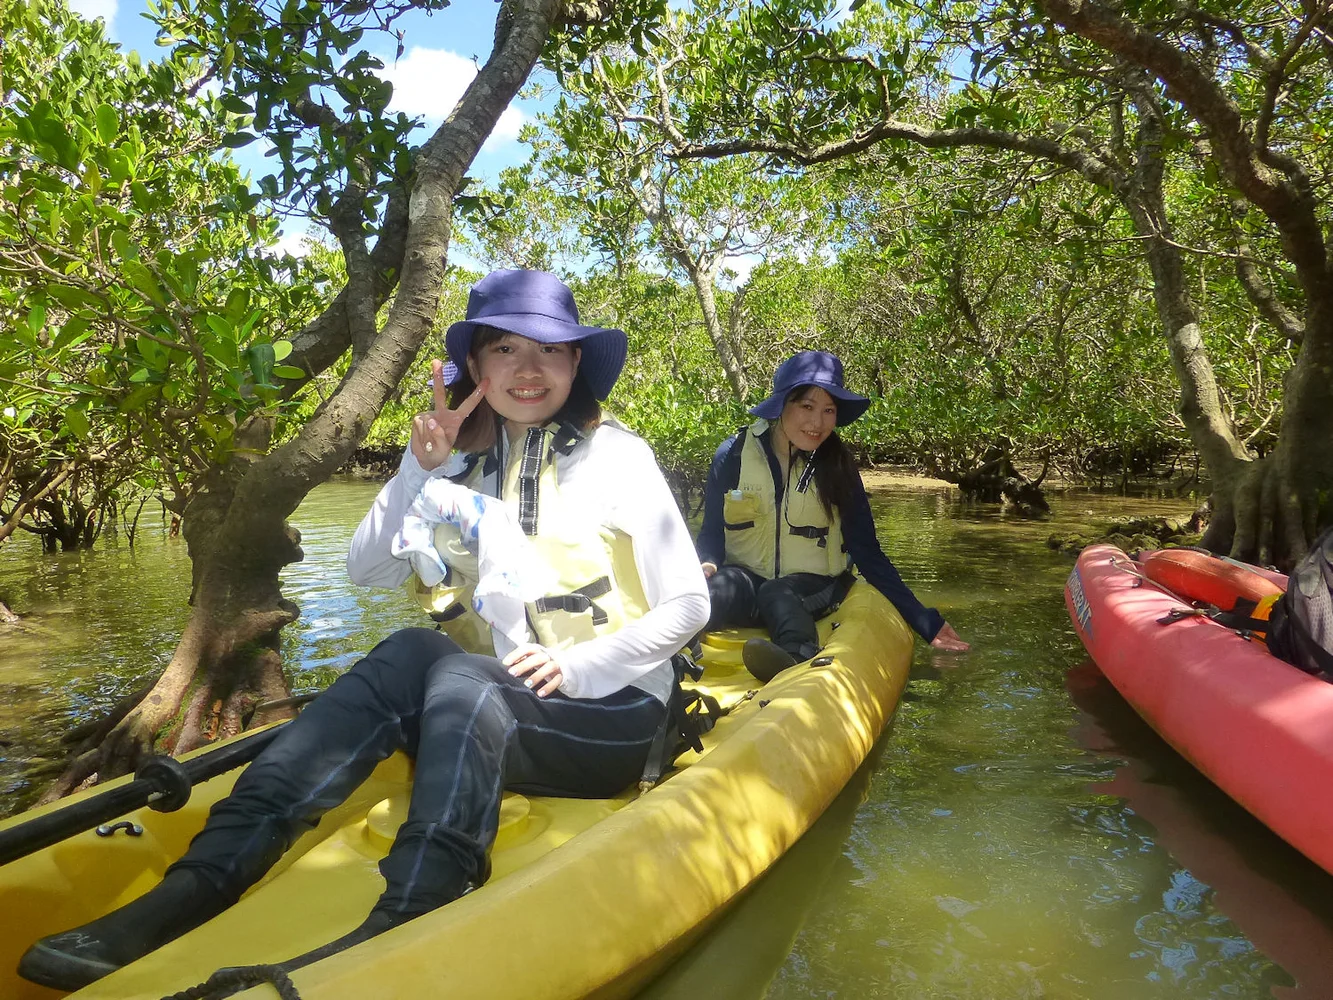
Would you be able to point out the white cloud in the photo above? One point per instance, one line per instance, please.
(429, 82)
(91, 9)
(297, 244)
(742, 266)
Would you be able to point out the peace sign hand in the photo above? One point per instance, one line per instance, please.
(434, 433)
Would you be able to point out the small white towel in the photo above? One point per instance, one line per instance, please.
(510, 572)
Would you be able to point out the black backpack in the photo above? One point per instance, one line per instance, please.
(1300, 628)
(689, 715)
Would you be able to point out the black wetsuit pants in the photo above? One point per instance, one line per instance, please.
(788, 606)
(474, 731)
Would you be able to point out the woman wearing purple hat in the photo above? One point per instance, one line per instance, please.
(570, 708)
(786, 518)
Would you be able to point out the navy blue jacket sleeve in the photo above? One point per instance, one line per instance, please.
(712, 542)
(858, 534)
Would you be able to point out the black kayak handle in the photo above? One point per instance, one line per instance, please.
(162, 783)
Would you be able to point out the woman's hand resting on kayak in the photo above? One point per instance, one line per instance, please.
(539, 668)
(946, 638)
(434, 433)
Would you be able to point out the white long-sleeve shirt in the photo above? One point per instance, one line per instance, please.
(614, 473)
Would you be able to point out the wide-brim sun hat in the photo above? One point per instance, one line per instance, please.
(817, 368)
(539, 306)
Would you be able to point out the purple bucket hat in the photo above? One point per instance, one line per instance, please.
(539, 306)
(817, 368)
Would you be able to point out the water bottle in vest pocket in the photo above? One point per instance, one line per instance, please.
(741, 508)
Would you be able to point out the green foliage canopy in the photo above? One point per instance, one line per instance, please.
(139, 321)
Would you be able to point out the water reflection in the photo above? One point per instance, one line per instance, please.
(97, 625)
(339, 622)
(1279, 900)
(742, 952)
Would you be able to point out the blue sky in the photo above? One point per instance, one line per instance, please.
(440, 59)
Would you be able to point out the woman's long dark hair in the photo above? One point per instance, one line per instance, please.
(836, 475)
(478, 431)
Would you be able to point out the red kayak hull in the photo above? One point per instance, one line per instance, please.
(1259, 728)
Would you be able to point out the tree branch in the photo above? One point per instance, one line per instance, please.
(323, 340)
(280, 479)
(1260, 292)
(1274, 75)
(1088, 165)
(1286, 197)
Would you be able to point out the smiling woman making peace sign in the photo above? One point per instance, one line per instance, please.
(570, 711)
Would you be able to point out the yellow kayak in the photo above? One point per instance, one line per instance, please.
(587, 897)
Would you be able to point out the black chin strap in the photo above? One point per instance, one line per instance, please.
(807, 474)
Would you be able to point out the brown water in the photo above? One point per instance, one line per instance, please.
(1018, 833)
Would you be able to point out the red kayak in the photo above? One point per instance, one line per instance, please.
(1259, 728)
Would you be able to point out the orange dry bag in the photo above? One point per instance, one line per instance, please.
(1209, 579)
(1243, 597)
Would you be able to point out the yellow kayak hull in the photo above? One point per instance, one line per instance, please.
(587, 897)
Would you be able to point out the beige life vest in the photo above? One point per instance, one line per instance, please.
(597, 589)
(449, 604)
(776, 535)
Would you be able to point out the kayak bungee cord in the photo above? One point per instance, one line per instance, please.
(226, 982)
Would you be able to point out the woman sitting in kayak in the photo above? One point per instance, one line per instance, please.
(570, 708)
(786, 518)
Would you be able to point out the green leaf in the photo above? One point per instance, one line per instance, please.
(142, 279)
(152, 352)
(108, 123)
(73, 333)
(221, 327)
(120, 240)
(77, 422)
(288, 371)
(37, 318)
(261, 359)
(138, 397)
(71, 297)
(143, 200)
(223, 351)
(281, 349)
(248, 325)
(238, 301)
(234, 104)
(236, 140)
(118, 167)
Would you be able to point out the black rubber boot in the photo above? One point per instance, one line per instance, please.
(766, 659)
(72, 959)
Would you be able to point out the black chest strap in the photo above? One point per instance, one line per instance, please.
(579, 601)
(809, 531)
